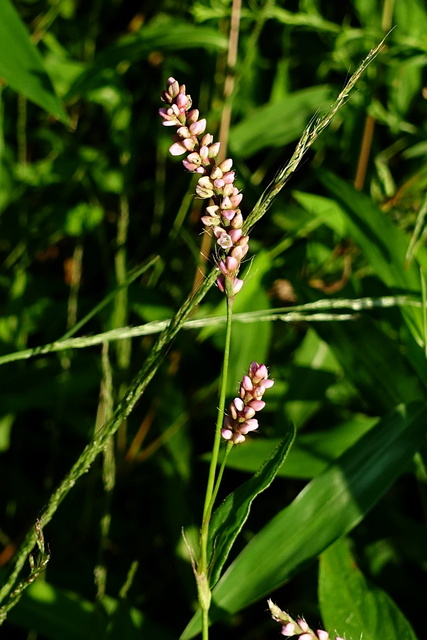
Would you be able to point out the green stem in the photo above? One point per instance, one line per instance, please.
(213, 482)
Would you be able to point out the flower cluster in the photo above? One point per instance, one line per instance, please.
(240, 420)
(216, 182)
(296, 628)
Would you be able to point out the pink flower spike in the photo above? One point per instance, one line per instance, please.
(177, 149)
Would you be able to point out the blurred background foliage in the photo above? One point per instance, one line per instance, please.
(88, 195)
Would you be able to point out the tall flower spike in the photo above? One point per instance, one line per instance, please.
(216, 182)
(240, 420)
(296, 628)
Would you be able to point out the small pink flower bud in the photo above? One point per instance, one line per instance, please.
(215, 174)
(226, 203)
(288, 630)
(192, 116)
(220, 283)
(237, 285)
(172, 87)
(214, 149)
(218, 183)
(247, 383)
(196, 128)
(238, 438)
(226, 165)
(257, 405)
(210, 221)
(300, 621)
(248, 412)
(228, 190)
(305, 636)
(189, 143)
(213, 210)
(227, 434)
(182, 101)
(177, 149)
(206, 140)
(204, 188)
(183, 132)
(231, 263)
(236, 199)
(235, 235)
(229, 177)
(194, 158)
(204, 153)
(322, 635)
(237, 220)
(228, 214)
(248, 426)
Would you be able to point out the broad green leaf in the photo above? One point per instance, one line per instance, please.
(21, 64)
(353, 607)
(63, 615)
(274, 125)
(328, 508)
(231, 515)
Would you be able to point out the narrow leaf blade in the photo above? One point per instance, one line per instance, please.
(232, 514)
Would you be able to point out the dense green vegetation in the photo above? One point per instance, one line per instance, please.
(100, 232)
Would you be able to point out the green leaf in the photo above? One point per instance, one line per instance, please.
(21, 64)
(274, 125)
(328, 508)
(231, 515)
(353, 607)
